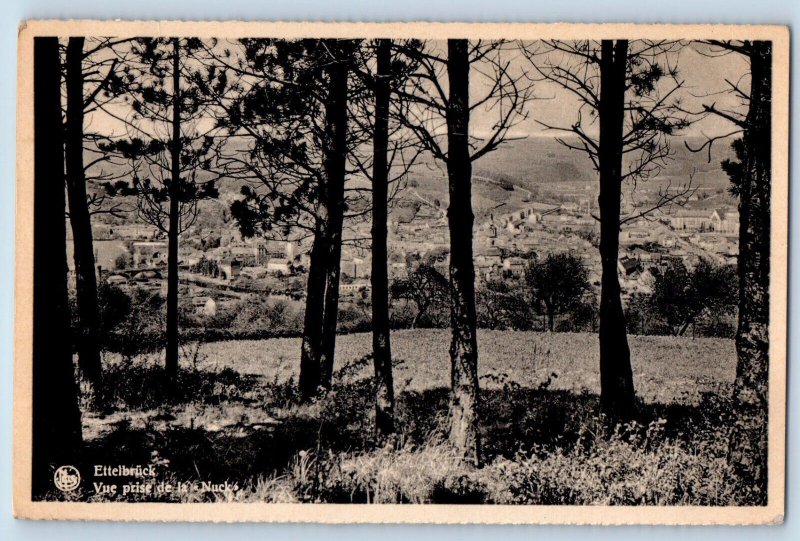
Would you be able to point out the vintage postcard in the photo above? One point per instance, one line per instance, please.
(417, 272)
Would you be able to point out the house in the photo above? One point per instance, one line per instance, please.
(274, 249)
(149, 253)
(354, 289)
(116, 280)
(279, 266)
(254, 273)
(725, 221)
(637, 234)
(491, 256)
(229, 268)
(627, 266)
(690, 220)
(514, 266)
(204, 306)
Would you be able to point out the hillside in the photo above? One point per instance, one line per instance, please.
(541, 168)
(537, 168)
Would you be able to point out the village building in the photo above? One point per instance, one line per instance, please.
(353, 289)
(229, 268)
(279, 266)
(725, 221)
(147, 253)
(274, 249)
(627, 266)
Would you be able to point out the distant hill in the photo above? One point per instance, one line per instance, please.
(507, 178)
(536, 166)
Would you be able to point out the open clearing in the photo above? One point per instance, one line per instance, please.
(544, 441)
(666, 369)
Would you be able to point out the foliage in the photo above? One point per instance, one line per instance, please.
(683, 297)
(426, 287)
(157, 174)
(502, 306)
(130, 323)
(560, 282)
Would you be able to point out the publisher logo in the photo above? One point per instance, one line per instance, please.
(67, 478)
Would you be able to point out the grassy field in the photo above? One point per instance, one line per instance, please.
(666, 369)
(236, 417)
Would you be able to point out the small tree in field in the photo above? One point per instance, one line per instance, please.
(425, 287)
(504, 305)
(681, 297)
(559, 282)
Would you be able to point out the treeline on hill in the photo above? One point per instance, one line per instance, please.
(311, 114)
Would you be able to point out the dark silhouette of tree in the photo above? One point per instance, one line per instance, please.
(56, 417)
(440, 89)
(682, 297)
(381, 342)
(628, 109)
(390, 152)
(425, 287)
(85, 279)
(751, 181)
(92, 80)
(559, 282)
(170, 156)
(290, 104)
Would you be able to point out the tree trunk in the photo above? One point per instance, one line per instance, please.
(464, 435)
(56, 417)
(335, 161)
(749, 445)
(331, 307)
(616, 377)
(79, 218)
(381, 344)
(174, 220)
(314, 309)
(551, 317)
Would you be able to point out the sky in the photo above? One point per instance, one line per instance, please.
(703, 78)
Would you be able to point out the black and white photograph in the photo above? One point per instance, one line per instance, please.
(501, 268)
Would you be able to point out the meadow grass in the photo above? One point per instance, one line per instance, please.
(238, 418)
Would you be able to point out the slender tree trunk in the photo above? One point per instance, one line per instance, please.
(56, 417)
(415, 319)
(331, 310)
(314, 309)
(616, 377)
(174, 219)
(749, 444)
(335, 161)
(464, 435)
(79, 218)
(381, 344)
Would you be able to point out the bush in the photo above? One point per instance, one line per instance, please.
(636, 465)
(265, 313)
(131, 323)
